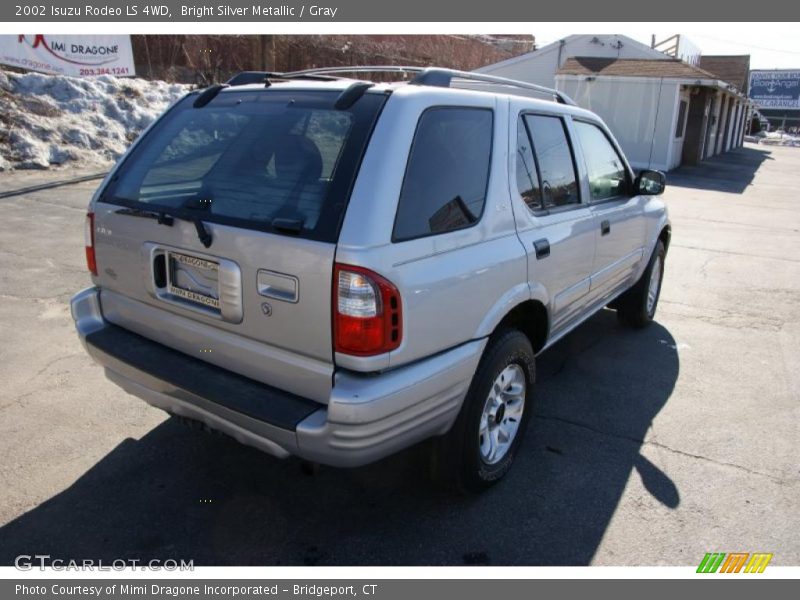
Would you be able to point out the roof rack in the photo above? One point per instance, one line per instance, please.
(443, 78)
(250, 77)
(356, 69)
(437, 77)
(433, 76)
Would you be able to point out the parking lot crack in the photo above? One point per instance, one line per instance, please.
(635, 440)
(52, 362)
(733, 253)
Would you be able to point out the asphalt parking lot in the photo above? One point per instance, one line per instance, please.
(647, 448)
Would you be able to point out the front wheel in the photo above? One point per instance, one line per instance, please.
(481, 446)
(637, 306)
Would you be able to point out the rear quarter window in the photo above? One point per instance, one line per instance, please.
(447, 173)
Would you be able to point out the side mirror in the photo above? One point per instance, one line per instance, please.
(650, 183)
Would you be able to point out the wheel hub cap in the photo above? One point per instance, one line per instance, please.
(502, 414)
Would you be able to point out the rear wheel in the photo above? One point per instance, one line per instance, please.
(637, 306)
(481, 447)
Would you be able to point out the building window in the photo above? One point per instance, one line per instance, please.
(681, 118)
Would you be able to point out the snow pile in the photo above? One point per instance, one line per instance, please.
(47, 121)
(774, 138)
(777, 138)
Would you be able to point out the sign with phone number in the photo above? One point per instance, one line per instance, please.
(75, 55)
(775, 89)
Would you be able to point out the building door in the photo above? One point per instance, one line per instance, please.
(712, 127)
(680, 129)
(731, 127)
(694, 134)
(722, 125)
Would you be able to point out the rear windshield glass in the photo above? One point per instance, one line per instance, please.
(273, 160)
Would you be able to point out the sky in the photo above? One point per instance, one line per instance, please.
(770, 45)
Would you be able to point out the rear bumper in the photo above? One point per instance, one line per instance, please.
(367, 416)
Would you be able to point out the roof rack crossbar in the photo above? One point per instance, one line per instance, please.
(208, 94)
(248, 77)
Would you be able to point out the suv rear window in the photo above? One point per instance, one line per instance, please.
(448, 169)
(253, 159)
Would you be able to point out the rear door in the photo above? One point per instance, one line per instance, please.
(618, 215)
(556, 225)
(217, 234)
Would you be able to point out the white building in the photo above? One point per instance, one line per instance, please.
(664, 112)
(540, 66)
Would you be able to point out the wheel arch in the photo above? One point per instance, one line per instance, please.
(665, 236)
(532, 319)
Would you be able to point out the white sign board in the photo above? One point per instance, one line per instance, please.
(76, 55)
(688, 51)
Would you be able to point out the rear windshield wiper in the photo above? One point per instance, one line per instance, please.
(199, 204)
(161, 216)
(167, 217)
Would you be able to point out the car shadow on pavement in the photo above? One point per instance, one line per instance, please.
(181, 493)
(731, 172)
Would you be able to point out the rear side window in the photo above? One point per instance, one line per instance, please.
(607, 175)
(447, 173)
(527, 174)
(252, 159)
(554, 157)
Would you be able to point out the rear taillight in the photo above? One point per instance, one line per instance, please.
(88, 234)
(367, 314)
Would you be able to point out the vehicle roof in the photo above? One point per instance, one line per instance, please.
(463, 89)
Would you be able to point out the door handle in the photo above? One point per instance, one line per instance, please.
(542, 248)
(605, 227)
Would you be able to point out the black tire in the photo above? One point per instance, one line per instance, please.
(632, 307)
(457, 461)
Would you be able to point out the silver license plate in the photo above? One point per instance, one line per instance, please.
(193, 278)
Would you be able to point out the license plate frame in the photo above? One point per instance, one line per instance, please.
(191, 296)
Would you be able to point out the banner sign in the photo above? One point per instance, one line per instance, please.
(775, 89)
(76, 55)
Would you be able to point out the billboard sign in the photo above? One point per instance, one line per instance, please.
(76, 55)
(775, 89)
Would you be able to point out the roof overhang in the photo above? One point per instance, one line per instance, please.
(717, 84)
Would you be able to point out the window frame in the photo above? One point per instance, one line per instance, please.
(563, 117)
(629, 177)
(479, 218)
(521, 119)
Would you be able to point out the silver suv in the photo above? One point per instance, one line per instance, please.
(338, 269)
